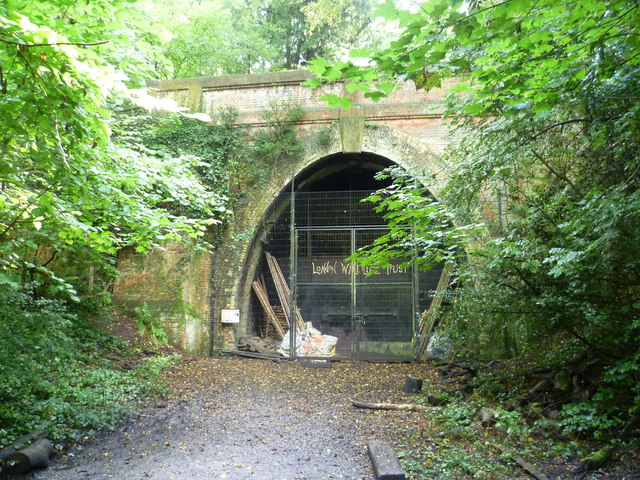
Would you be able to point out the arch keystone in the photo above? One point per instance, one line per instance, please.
(351, 132)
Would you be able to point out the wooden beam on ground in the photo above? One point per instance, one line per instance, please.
(411, 407)
(384, 461)
(526, 466)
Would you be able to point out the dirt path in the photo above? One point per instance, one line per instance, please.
(251, 419)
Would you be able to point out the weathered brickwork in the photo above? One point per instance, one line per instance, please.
(406, 128)
(174, 285)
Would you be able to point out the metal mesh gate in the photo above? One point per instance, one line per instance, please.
(373, 316)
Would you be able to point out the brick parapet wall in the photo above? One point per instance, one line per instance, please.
(417, 112)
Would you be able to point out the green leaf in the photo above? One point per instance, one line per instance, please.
(336, 101)
(386, 10)
(363, 52)
(386, 87)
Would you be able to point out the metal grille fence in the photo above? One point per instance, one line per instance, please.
(373, 314)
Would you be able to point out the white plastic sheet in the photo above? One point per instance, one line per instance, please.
(310, 342)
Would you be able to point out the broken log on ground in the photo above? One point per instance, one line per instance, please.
(522, 463)
(29, 452)
(411, 407)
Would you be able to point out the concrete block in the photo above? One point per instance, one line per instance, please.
(384, 460)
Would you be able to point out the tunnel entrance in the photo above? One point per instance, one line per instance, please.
(308, 233)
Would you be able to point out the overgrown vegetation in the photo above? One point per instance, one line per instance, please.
(222, 37)
(549, 121)
(148, 325)
(457, 445)
(278, 141)
(57, 371)
(86, 171)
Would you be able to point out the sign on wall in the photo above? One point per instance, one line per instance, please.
(230, 315)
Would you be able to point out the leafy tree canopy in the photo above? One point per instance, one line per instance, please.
(548, 159)
(253, 36)
(66, 189)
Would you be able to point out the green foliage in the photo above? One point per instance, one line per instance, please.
(301, 33)
(453, 444)
(549, 121)
(253, 36)
(70, 198)
(458, 447)
(325, 136)
(421, 229)
(205, 158)
(108, 35)
(279, 141)
(601, 415)
(212, 38)
(57, 371)
(148, 325)
(67, 192)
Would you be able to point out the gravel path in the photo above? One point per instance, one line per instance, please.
(239, 418)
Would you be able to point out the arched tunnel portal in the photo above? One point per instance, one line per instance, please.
(302, 244)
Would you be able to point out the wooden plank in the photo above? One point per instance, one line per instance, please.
(276, 275)
(429, 317)
(284, 293)
(526, 466)
(410, 407)
(261, 293)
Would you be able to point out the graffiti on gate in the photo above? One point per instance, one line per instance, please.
(333, 267)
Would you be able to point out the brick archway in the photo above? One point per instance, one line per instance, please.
(240, 252)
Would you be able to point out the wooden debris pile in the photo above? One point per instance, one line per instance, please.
(284, 293)
(276, 321)
(277, 316)
(309, 341)
(457, 376)
(550, 389)
(257, 344)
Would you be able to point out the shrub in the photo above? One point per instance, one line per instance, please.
(61, 374)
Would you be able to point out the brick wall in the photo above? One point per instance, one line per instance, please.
(416, 112)
(173, 284)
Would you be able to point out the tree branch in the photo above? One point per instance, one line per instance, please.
(559, 124)
(29, 204)
(562, 177)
